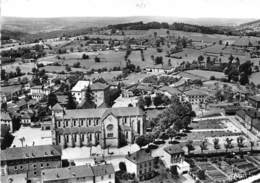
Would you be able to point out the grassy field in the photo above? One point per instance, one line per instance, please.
(25, 67)
(207, 74)
(255, 78)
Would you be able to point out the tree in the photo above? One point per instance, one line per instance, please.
(67, 68)
(97, 59)
(251, 145)
(122, 166)
(18, 71)
(203, 145)
(201, 174)
(141, 141)
(169, 62)
(89, 99)
(240, 142)
(171, 133)
(22, 140)
(4, 106)
(174, 171)
(190, 146)
(147, 100)
(216, 143)
(141, 102)
(157, 100)
(76, 65)
(244, 79)
(228, 144)
(52, 99)
(71, 104)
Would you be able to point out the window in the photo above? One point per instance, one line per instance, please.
(102, 177)
(109, 176)
(34, 166)
(35, 173)
(140, 172)
(110, 135)
(47, 164)
(21, 167)
(15, 167)
(41, 165)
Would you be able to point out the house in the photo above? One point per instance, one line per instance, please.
(75, 174)
(254, 101)
(170, 91)
(173, 155)
(125, 102)
(25, 119)
(195, 96)
(103, 173)
(100, 91)
(39, 91)
(6, 120)
(106, 126)
(78, 91)
(30, 160)
(142, 164)
(15, 178)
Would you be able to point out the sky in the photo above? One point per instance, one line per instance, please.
(121, 8)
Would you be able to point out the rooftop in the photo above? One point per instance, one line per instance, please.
(57, 107)
(140, 156)
(99, 86)
(173, 149)
(17, 153)
(80, 86)
(101, 112)
(67, 173)
(171, 90)
(104, 169)
(195, 92)
(255, 98)
(5, 116)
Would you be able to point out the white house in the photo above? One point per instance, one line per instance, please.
(78, 91)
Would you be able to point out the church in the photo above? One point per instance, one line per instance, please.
(109, 127)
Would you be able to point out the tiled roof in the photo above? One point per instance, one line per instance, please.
(101, 170)
(174, 149)
(103, 112)
(140, 156)
(255, 98)
(84, 113)
(80, 85)
(5, 116)
(195, 92)
(16, 153)
(171, 90)
(79, 130)
(98, 86)
(67, 173)
(37, 87)
(57, 107)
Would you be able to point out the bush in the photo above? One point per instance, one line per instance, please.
(212, 78)
(152, 146)
(164, 136)
(158, 142)
(174, 142)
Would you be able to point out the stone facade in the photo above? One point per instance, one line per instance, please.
(111, 127)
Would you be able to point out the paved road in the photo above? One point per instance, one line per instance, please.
(243, 129)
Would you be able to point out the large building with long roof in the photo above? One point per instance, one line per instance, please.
(111, 127)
